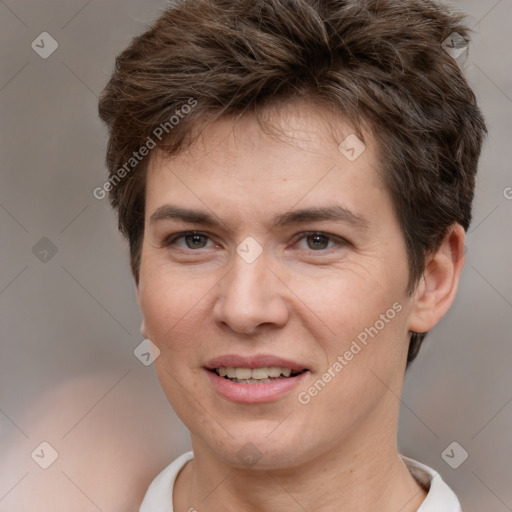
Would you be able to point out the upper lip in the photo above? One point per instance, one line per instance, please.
(256, 361)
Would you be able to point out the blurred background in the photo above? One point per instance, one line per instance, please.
(73, 395)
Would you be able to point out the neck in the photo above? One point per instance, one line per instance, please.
(361, 474)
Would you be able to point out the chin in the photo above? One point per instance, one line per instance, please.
(259, 452)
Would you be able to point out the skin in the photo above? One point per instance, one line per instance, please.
(296, 300)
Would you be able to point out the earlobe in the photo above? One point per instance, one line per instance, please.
(438, 286)
(143, 329)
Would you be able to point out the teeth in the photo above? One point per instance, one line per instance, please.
(259, 373)
(243, 373)
(255, 373)
(274, 371)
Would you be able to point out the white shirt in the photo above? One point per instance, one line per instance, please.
(440, 497)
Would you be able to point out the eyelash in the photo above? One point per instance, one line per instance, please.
(171, 240)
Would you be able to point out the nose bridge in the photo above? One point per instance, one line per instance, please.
(250, 295)
(251, 275)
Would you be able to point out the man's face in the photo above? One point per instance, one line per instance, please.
(320, 290)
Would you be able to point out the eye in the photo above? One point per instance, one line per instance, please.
(191, 240)
(319, 241)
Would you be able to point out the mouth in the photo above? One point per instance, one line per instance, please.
(261, 375)
(255, 379)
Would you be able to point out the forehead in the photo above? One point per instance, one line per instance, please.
(280, 159)
(289, 128)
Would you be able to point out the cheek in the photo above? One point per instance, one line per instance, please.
(347, 301)
(170, 309)
(364, 361)
(360, 322)
(173, 307)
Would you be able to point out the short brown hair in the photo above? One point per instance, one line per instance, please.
(378, 62)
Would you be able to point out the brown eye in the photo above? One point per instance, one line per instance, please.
(188, 240)
(195, 241)
(318, 241)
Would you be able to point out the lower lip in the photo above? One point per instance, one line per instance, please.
(254, 393)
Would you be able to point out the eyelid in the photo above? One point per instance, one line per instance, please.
(340, 241)
(169, 240)
(334, 238)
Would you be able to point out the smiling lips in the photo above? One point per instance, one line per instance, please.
(269, 377)
(254, 375)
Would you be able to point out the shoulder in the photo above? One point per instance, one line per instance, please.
(158, 497)
(440, 496)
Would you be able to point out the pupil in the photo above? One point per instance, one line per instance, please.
(195, 241)
(319, 241)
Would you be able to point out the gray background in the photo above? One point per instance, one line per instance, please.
(70, 324)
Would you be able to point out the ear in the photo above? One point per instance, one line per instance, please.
(437, 287)
(143, 329)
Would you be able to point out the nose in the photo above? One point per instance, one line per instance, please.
(251, 297)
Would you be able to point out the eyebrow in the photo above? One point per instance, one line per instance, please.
(335, 213)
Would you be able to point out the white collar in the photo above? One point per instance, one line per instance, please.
(440, 497)
(438, 492)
